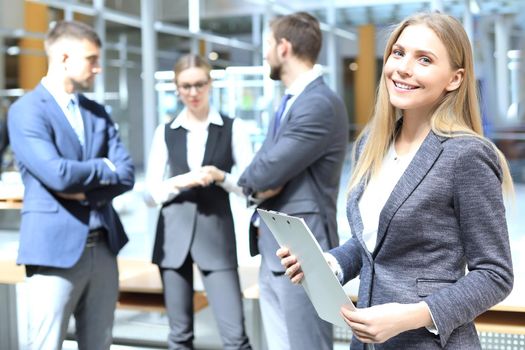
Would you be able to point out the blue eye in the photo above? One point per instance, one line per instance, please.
(397, 53)
(425, 60)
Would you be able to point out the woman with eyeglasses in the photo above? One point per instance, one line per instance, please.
(188, 174)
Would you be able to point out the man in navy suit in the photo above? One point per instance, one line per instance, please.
(297, 171)
(73, 164)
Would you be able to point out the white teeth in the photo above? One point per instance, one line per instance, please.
(404, 86)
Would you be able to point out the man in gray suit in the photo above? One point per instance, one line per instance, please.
(297, 171)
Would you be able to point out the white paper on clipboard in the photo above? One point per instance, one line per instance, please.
(320, 283)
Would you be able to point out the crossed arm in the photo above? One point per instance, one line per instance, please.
(305, 138)
(33, 142)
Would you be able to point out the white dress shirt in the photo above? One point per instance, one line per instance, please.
(378, 191)
(298, 87)
(157, 183)
(63, 99)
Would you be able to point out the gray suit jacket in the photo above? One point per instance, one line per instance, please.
(445, 214)
(306, 157)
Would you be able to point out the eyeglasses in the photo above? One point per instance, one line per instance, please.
(186, 88)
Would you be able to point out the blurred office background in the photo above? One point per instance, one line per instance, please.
(143, 38)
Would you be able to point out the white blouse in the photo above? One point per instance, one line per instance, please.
(378, 190)
(157, 184)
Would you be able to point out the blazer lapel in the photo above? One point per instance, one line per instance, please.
(414, 174)
(303, 95)
(61, 120)
(214, 134)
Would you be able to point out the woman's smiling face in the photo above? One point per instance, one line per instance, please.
(418, 71)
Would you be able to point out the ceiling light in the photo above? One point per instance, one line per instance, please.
(474, 7)
(213, 56)
(13, 50)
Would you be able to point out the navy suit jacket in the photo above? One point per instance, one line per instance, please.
(53, 230)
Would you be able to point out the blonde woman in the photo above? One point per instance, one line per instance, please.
(189, 175)
(425, 200)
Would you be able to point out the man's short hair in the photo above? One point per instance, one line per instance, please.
(302, 31)
(71, 30)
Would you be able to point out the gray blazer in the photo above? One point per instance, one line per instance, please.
(444, 215)
(305, 156)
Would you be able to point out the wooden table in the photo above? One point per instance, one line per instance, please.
(140, 287)
(139, 284)
(11, 196)
(10, 272)
(10, 203)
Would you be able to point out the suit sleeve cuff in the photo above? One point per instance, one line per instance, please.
(432, 329)
(334, 266)
(253, 200)
(110, 164)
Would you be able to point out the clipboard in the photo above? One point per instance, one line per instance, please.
(321, 285)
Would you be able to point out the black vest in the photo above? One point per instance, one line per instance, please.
(218, 152)
(198, 220)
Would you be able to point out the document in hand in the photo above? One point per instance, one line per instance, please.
(321, 285)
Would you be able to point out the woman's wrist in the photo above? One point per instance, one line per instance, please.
(221, 176)
(419, 316)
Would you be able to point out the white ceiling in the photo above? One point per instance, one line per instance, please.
(349, 13)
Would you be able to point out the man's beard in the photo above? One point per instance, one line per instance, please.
(82, 85)
(275, 72)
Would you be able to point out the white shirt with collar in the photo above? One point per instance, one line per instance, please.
(298, 86)
(158, 170)
(63, 98)
(378, 191)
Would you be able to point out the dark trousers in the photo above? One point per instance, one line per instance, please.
(289, 318)
(224, 294)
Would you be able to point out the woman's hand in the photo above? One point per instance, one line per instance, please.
(293, 268)
(268, 193)
(191, 179)
(79, 196)
(379, 323)
(216, 174)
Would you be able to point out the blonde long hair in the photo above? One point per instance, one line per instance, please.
(456, 114)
